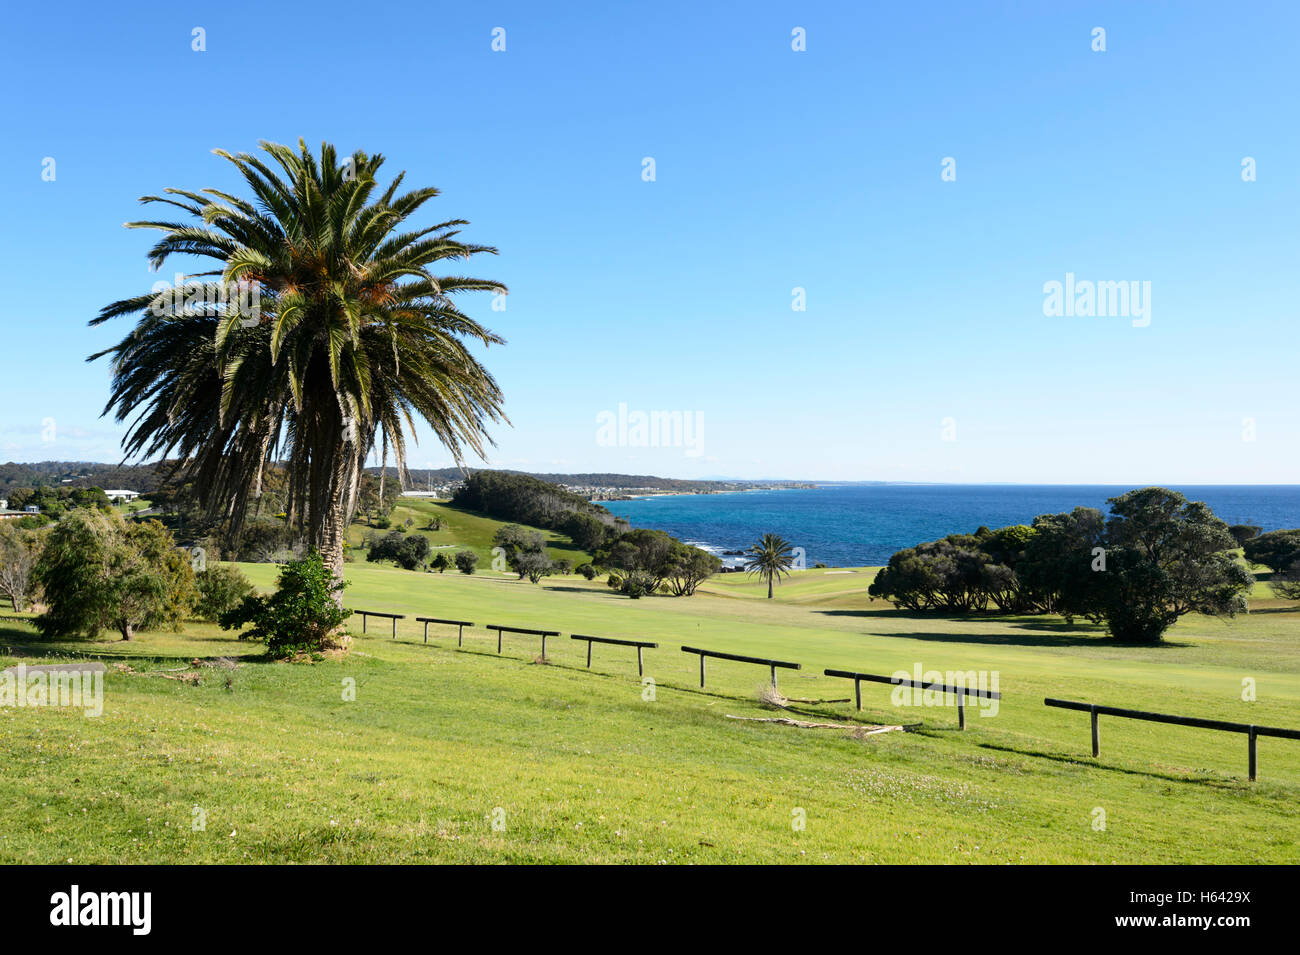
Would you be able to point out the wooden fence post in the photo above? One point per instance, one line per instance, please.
(1096, 736)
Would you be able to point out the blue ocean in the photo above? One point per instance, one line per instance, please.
(852, 525)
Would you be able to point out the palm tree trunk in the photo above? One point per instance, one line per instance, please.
(383, 471)
(769, 586)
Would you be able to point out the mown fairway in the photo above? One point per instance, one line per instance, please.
(587, 771)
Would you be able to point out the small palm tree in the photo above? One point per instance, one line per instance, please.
(770, 557)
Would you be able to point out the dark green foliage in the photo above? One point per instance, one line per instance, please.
(587, 531)
(441, 561)
(587, 571)
(97, 571)
(1056, 572)
(1276, 550)
(407, 551)
(55, 501)
(1244, 532)
(1157, 558)
(300, 617)
(526, 500)
(1166, 557)
(636, 584)
(533, 564)
(466, 561)
(688, 567)
(220, 588)
(646, 551)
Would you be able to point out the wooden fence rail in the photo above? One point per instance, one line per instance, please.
(1249, 729)
(961, 692)
(761, 661)
(461, 624)
(639, 644)
(524, 630)
(366, 614)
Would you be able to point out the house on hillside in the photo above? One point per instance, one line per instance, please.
(121, 496)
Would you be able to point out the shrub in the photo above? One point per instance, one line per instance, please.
(587, 571)
(408, 552)
(300, 617)
(614, 582)
(97, 571)
(637, 584)
(532, 564)
(1276, 550)
(18, 553)
(441, 561)
(466, 561)
(220, 588)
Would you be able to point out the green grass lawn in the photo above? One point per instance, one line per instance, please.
(576, 766)
(461, 530)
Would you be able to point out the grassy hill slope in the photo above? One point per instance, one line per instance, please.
(583, 768)
(461, 530)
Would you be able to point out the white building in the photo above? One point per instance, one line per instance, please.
(120, 495)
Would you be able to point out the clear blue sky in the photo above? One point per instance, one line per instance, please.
(775, 169)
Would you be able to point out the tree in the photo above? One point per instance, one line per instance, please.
(1276, 550)
(301, 616)
(221, 587)
(770, 557)
(587, 531)
(441, 561)
(97, 571)
(533, 564)
(350, 336)
(18, 554)
(644, 551)
(466, 561)
(1244, 532)
(690, 567)
(1056, 570)
(407, 551)
(1166, 557)
(513, 539)
(636, 584)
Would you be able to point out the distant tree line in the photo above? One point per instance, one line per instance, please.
(1155, 558)
(1279, 551)
(521, 499)
(55, 501)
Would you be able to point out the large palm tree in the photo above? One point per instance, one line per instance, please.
(770, 557)
(353, 338)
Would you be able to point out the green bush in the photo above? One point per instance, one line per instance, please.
(408, 552)
(300, 617)
(466, 561)
(441, 561)
(586, 570)
(637, 585)
(97, 571)
(221, 588)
